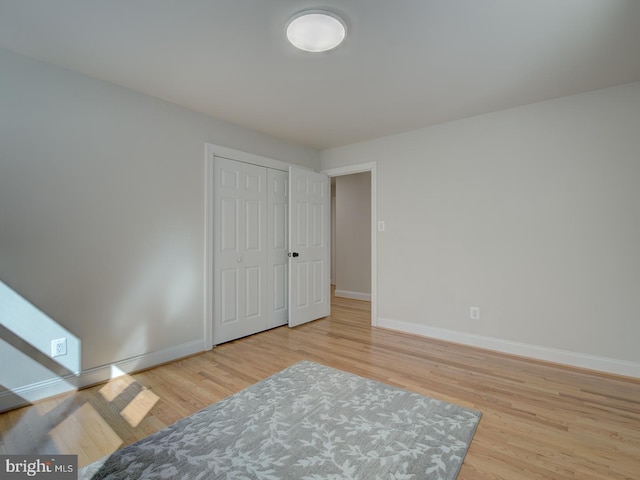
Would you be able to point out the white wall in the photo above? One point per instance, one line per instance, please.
(102, 213)
(531, 213)
(353, 236)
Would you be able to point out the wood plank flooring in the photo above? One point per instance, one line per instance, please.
(540, 421)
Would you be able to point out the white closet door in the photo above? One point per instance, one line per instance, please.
(277, 233)
(310, 204)
(240, 250)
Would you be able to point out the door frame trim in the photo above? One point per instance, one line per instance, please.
(361, 168)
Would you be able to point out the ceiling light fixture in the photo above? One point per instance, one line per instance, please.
(316, 31)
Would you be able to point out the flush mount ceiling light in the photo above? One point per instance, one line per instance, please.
(316, 31)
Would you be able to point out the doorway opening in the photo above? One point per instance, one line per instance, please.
(336, 173)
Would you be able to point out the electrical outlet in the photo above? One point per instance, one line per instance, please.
(381, 225)
(474, 313)
(58, 347)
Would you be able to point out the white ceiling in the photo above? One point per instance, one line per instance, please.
(405, 64)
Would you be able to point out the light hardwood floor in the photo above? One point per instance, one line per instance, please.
(540, 421)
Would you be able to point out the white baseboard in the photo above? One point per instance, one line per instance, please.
(17, 397)
(564, 357)
(353, 295)
(140, 362)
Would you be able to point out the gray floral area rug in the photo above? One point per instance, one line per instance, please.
(307, 422)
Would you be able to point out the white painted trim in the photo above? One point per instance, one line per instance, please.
(350, 169)
(353, 295)
(240, 156)
(564, 357)
(26, 394)
(360, 168)
(37, 391)
(141, 362)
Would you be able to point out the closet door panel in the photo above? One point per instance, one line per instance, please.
(228, 288)
(229, 295)
(250, 249)
(254, 262)
(253, 308)
(277, 236)
(279, 297)
(229, 216)
(309, 292)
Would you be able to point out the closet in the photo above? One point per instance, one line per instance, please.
(250, 249)
(268, 242)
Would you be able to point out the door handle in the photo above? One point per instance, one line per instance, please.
(294, 254)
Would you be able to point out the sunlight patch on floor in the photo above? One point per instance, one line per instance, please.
(139, 407)
(83, 427)
(129, 398)
(116, 387)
